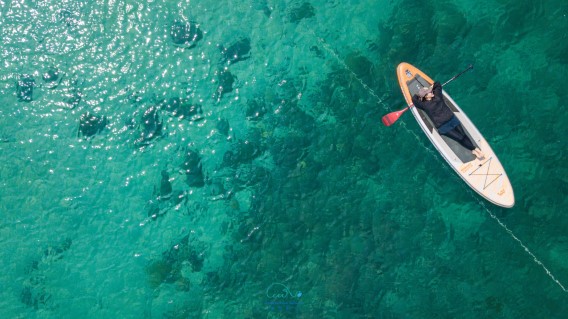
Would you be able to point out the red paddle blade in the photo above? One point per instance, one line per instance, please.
(392, 117)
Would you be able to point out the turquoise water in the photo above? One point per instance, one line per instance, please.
(303, 204)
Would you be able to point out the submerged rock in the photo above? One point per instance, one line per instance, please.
(35, 293)
(154, 211)
(52, 78)
(226, 80)
(73, 93)
(256, 109)
(25, 88)
(303, 11)
(289, 151)
(151, 125)
(55, 252)
(238, 51)
(165, 186)
(165, 198)
(5, 139)
(90, 124)
(184, 252)
(262, 5)
(184, 257)
(223, 127)
(68, 18)
(183, 108)
(185, 34)
(242, 152)
(192, 168)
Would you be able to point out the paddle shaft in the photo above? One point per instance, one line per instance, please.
(392, 117)
(459, 74)
(455, 77)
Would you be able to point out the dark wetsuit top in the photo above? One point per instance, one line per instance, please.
(436, 109)
(440, 114)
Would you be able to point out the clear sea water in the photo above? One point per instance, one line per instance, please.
(298, 202)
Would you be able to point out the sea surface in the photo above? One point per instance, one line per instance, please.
(226, 159)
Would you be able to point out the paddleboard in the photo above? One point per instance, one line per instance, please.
(487, 176)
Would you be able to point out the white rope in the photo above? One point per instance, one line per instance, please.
(527, 250)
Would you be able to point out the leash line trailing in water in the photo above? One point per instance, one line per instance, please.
(403, 124)
(527, 250)
(346, 67)
(369, 89)
(372, 92)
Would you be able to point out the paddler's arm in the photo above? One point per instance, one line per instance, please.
(416, 101)
(437, 88)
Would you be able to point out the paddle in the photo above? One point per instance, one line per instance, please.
(392, 117)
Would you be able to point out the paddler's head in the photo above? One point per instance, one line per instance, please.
(425, 93)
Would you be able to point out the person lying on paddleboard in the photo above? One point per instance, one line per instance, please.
(431, 101)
